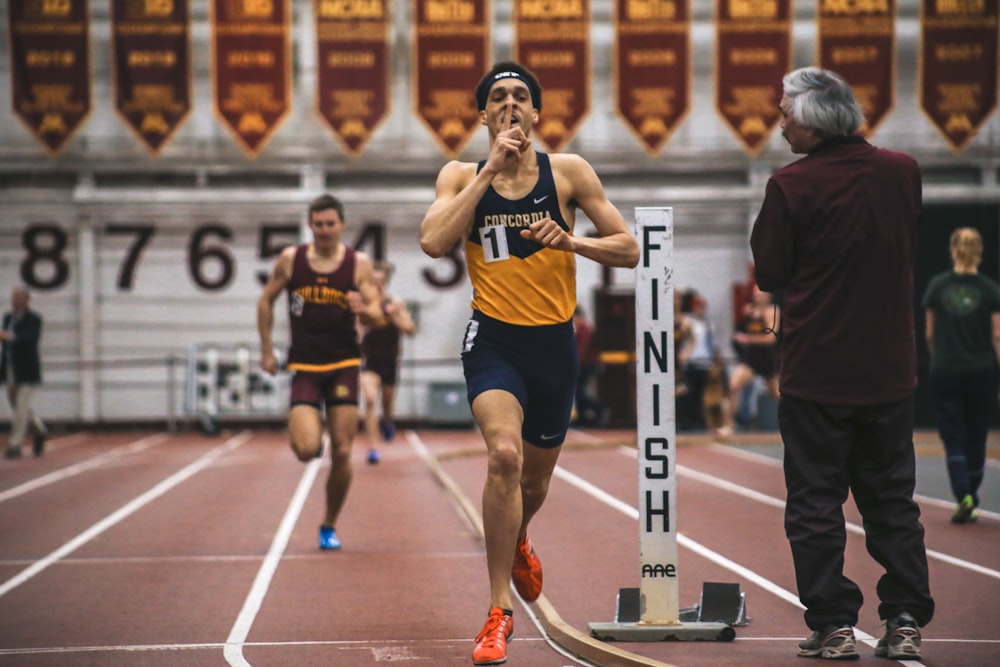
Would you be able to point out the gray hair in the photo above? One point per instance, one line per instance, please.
(820, 99)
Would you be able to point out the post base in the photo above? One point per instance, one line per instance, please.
(721, 607)
(648, 632)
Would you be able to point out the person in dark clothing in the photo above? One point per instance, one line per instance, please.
(698, 362)
(962, 326)
(381, 345)
(21, 370)
(757, 353)
(836, 232)
(589, 411)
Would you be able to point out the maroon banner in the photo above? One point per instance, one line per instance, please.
(652, 68)
(858, 41)
(252, 62)
(552, 39)
(753, 53)
(50, 68)
(450, 52)
(352, 68)
(958, 67)
(151, 49)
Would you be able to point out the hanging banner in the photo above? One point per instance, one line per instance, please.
(450, 50)
(958, 66)
(652, 67)
(753, 53)
(50, 68)
(858, 41)
(252, 60)
(352, 68)
(151, 49)
(552, 39)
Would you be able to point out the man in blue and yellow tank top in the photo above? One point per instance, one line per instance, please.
(515, 212)
(329, 288)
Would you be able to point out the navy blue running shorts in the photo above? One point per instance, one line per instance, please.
(538, 365)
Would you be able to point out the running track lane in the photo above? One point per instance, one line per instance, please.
(167, 583)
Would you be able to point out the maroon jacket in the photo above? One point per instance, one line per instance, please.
(836, 233)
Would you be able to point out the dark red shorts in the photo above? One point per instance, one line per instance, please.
(329, 388)
(387, 369)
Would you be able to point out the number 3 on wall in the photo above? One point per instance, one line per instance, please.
(210, 261)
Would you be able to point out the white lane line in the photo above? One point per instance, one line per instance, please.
(705, 552)
(123, 512)
(58, 443)
(950, 506)
(780, 504)
(363, 644)
(741, 453)
(469, 513)
(769, 461)
(366, 644)
(233, 650)
(77, 468)
(633, 513)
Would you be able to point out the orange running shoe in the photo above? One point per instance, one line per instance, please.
(491, 642)
(527, 571)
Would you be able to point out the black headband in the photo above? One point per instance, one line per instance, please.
(484, 92)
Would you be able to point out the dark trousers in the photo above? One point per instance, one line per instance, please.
(588, 410)
(690, 405)
(869, 451)
(963, 411)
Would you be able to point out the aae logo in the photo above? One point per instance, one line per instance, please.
(668, 570)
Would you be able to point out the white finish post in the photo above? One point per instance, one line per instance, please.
(659, 613)
(656, 419)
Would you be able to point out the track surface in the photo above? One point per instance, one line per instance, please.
(138, 549)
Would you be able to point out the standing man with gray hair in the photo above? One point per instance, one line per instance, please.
(836, 234)
(21, 370)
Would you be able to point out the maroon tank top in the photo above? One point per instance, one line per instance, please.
(324, 337)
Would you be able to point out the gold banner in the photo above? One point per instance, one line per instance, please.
(151, 49)
(858, 41)
(352, 68)
(50, 67)
(252, 67)
(552, 39)
(753, 53)
(450, 51)
(958, 66)
(652, 67)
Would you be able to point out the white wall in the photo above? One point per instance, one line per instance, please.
(98, 335)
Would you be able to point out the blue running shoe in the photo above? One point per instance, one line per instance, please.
(328, 538)
(373, 456)
(388, 430)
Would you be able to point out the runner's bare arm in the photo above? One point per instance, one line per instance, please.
(401, 317)
(366, 302)
(449, 218)
(459, 188)
(281, 273)
(615, 244)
